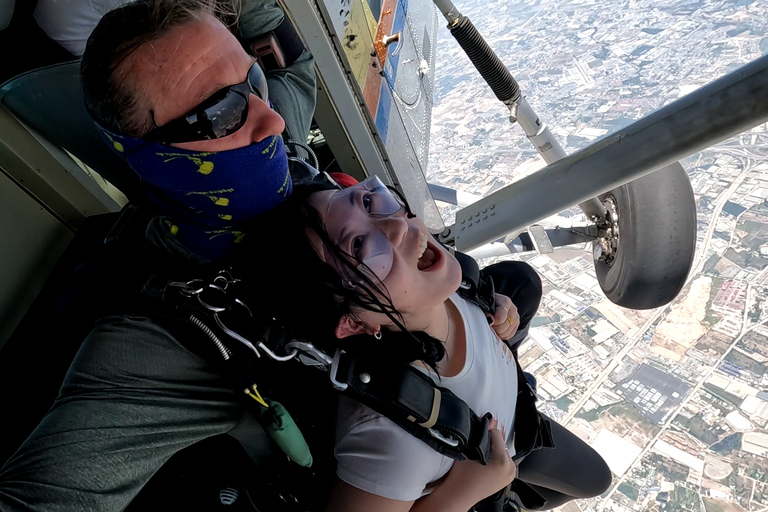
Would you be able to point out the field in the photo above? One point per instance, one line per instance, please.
(712, 505)
(683, 325)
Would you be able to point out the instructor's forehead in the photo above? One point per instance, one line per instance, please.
(186, 65)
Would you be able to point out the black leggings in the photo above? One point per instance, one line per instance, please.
(572, 469)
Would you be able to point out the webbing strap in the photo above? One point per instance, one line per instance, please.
(435, 409)
(475, 288)
(290, 41)
(412, 400)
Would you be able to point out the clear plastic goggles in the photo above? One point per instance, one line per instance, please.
(354, 220)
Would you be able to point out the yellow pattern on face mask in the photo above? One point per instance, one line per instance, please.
(225, 232)
(115, 144)
(210, 192)
(205, 167)
(220, 201)
(283, 190)
(272, 147)
(173, 228)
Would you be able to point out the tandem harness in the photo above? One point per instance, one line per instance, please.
(203, 303)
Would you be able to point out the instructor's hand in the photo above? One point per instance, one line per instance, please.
(506, 319)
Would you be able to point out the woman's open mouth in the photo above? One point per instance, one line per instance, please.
(430, 255)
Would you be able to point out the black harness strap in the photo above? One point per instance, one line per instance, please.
(408, 397)
(474, 287)
(290, 41)
(411, 399)
(532, 429)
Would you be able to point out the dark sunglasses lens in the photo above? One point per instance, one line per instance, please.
(258, 82)
(221, 115)
(226, 116)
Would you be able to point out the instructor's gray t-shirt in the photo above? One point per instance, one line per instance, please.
(377, 456)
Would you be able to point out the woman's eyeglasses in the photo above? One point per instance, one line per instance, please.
(369, 245)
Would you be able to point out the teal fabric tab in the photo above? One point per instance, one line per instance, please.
(279, 424)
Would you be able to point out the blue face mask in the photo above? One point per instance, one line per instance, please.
(208, 196)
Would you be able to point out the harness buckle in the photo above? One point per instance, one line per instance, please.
(319, 357)
(334, 369)
(188, 288)
(440, 437)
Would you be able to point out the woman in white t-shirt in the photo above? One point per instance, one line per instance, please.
(361, 270)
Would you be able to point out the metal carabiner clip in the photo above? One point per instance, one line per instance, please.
(209, 307)
(440, 437)
(321, 359)
(188, 288)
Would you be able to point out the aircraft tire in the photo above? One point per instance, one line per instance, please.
(657, 238)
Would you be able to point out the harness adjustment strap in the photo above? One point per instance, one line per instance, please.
(475, 288)
(413, 401)
(480, 439)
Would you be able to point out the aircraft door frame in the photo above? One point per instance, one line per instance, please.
(349, 77)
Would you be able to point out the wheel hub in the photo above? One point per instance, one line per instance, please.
(607, 243)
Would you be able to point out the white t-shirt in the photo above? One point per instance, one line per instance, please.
(377, 456)
(70, 22)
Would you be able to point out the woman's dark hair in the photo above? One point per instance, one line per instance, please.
(282, 270)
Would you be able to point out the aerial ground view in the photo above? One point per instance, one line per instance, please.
(676, 398)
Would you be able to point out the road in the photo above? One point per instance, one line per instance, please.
(698, 264)
(689, 396)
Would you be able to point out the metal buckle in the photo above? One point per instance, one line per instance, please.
(209, 307)
(437, 435)
(234, 335)
(334, 368)
(321, 359)
(276, 357)
(188, 288)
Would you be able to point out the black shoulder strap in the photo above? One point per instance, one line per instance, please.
(532, 430)
(413, 401)
(474, 287)
(407, 396)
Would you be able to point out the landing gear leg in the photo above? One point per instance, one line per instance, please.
(647, 228)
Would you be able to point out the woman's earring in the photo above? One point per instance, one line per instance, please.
(377, 335)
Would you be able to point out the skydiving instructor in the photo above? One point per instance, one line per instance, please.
(175, 93)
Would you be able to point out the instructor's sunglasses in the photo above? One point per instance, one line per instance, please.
(222, 114)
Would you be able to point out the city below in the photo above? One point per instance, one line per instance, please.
(676, 398)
